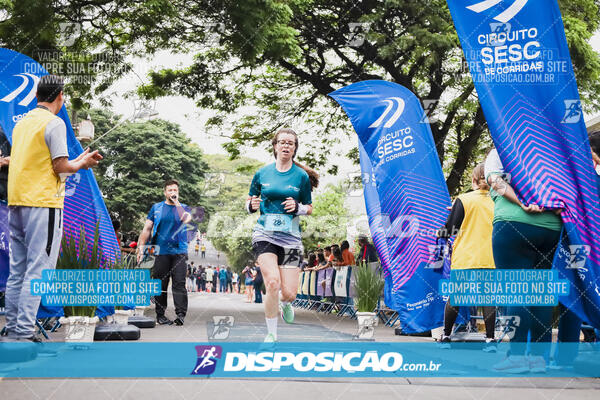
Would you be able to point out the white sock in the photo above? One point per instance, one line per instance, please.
(272, 326)
(284, 303)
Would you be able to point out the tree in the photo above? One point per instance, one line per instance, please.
(226, 184)
(277, 61)
(328, 222)
(283, 58)
(138, 158)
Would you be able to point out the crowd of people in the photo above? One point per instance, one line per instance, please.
(220, 279)
(340, 255)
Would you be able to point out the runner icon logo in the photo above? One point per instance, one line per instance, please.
(506, 15)
(429, 107)
(573, 112)
(499, 33)
(221, 327)
(207, 359)
(579, 255)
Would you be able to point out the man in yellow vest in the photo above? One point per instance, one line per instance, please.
(39, 165)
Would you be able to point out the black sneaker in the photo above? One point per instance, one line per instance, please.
(179, 320)
(162, 320)
(444, 342)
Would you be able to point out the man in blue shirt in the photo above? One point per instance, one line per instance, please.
(166, 226)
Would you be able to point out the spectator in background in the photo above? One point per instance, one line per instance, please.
(215, 277)
(347, 256)
(258, 283)
(327, 253)
(209, 278)
(201, 279)
(223, 276)
(523, 237)
(337, 260)
(229, 280)
(235, 282)
(248, 275)
(367, 253)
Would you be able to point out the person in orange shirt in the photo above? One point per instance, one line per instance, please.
(347, 256)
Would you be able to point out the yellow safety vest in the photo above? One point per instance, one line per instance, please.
(31, 178)
(473, 244)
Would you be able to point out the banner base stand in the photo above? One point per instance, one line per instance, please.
(141, 321)
(398, 332)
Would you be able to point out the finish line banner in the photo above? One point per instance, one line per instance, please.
(520, 63)
(257, 360)
(405, 194)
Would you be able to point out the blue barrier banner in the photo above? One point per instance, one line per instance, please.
(84, 205)
(405, 194)
(520, 63)
(255, 360)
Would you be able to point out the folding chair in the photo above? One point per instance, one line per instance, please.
(45, 314)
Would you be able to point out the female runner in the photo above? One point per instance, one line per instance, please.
(282, 192)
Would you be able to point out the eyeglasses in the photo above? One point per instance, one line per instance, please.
(286, 143)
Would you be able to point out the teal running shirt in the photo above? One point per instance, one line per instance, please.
(275, 225)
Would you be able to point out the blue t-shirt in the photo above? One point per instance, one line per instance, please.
(223, 274)
(171, 233)
(274, 187)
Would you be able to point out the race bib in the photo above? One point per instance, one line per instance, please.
(278, 222)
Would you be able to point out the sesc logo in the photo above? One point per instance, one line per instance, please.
(30, 96)
(505, 15)
(391, 102)
(207, 359)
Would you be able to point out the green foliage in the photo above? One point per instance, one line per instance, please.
(73, 256)
(231, 233)
(274, 61)
(228, 226)
(369, 288)
(327, 223)
(138, 158)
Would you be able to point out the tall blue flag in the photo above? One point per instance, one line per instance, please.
(518, 56)
(405, 193)
(84, 205)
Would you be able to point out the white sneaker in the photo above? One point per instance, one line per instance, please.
(270, 338)
(513, 365)
(537, 364)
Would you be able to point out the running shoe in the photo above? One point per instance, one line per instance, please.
(270, 338)
(490, 346)
(162, 320)
(513, 365)
(287, 313)
(537, 364)
(444, 342)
